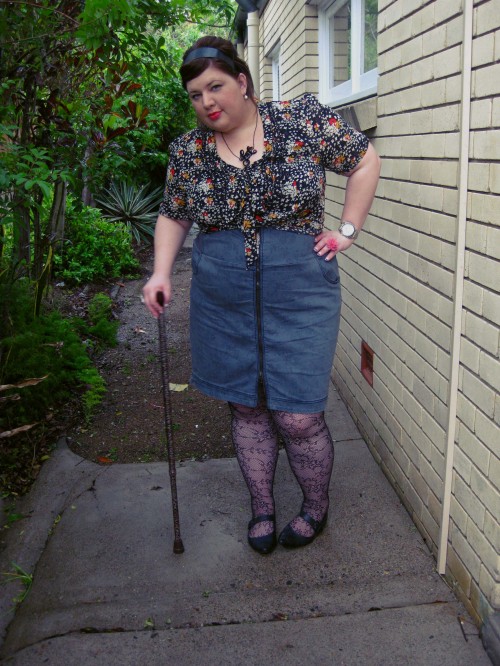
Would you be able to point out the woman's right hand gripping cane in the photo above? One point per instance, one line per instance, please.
(169, 238)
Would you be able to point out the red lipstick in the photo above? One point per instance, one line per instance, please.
(215, 115)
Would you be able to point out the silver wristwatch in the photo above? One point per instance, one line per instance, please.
(348, 230)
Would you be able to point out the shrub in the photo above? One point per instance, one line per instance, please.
(95, 249)
(132, 206)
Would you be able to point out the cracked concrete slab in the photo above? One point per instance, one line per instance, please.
(365, 592)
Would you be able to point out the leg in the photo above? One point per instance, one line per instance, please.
(309, 448)
(256, 444)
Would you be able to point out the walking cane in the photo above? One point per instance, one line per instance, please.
(162, 330)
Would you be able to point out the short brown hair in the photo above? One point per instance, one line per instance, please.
(196, 67)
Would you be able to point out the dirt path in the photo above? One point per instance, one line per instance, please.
(129, 425)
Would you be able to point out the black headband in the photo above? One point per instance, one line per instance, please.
(208, 52)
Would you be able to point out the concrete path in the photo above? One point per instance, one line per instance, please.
(107, 588)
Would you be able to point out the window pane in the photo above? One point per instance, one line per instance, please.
(370, 38)
(340, 39)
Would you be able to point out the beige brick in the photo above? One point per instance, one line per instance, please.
(482, 333)
(466, 412)
(412, 50)
(479, 176)
(467, 554)
(432, 479)
(418, 483)
(486, 492)
(473, 297)
(494, 470)
(494, 179)
(483, 270)
(483, 50)
(458, 571)
(486, 146)
(489, 371)
(458, 515)
(474, 389)
(486, 81)
(493, 245)
(444, 173)
(487, 431)
(490, 587)
(476, 237)
(486, 553)
(491, 530)
(469, 355)
(485, 16)
(421, 441)
(491, 306)
(462, 465)
(481, 114)
(473, 448)
(468, 501)
(446, 118)
(447, 64)
(427, 349)
(495, 112)
(438, 332)
(442, 226)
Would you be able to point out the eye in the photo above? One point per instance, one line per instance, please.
(216, 86)
(195, 96)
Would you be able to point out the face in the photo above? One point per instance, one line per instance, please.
(218, 98)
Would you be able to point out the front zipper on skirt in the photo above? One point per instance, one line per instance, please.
(261, 390)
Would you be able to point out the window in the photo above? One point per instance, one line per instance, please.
(276, 68)
(347, 50)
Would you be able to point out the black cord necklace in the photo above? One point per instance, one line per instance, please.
(245, 155)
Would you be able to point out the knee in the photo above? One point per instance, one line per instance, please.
(299, 426)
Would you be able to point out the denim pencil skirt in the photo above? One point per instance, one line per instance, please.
(268, 331)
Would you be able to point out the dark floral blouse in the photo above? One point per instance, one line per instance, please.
(284, 189)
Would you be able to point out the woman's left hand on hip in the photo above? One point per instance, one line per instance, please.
(329, 243)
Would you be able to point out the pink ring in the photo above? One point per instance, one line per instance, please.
(332, 244)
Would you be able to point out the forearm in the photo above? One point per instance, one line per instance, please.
(169, 239)
(360, 189)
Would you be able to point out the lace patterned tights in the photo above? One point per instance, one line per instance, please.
(309, 448)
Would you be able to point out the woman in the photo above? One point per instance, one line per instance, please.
(265, 296)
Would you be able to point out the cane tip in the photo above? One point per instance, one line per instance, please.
(178, 547)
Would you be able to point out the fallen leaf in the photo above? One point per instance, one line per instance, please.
(178, 387)
(16, 431)
(105, 460)
(25, 382)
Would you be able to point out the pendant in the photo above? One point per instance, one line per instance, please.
(245, 155)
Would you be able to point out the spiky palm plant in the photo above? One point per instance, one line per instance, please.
(134, 206)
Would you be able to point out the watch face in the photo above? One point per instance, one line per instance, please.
(348, 230)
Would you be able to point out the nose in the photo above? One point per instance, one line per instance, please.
(207, 99)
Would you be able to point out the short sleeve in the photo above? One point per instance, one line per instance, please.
(174, 204)
(341, 147)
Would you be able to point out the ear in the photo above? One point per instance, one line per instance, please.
(242, 80)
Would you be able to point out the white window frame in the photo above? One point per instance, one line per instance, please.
(360, 85)
(275, 57)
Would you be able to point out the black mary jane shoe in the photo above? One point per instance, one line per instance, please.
(267, 543)
(289, 537)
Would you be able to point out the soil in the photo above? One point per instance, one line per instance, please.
(129, 426)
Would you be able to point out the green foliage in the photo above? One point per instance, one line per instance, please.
(45, 346)
(19, 575)
(95, 249)
(133, 206)
(103, 326)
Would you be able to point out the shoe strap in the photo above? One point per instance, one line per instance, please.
(261, 519)
(315, 524)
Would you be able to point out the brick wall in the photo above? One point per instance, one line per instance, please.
(295, 26)
(399, 278)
